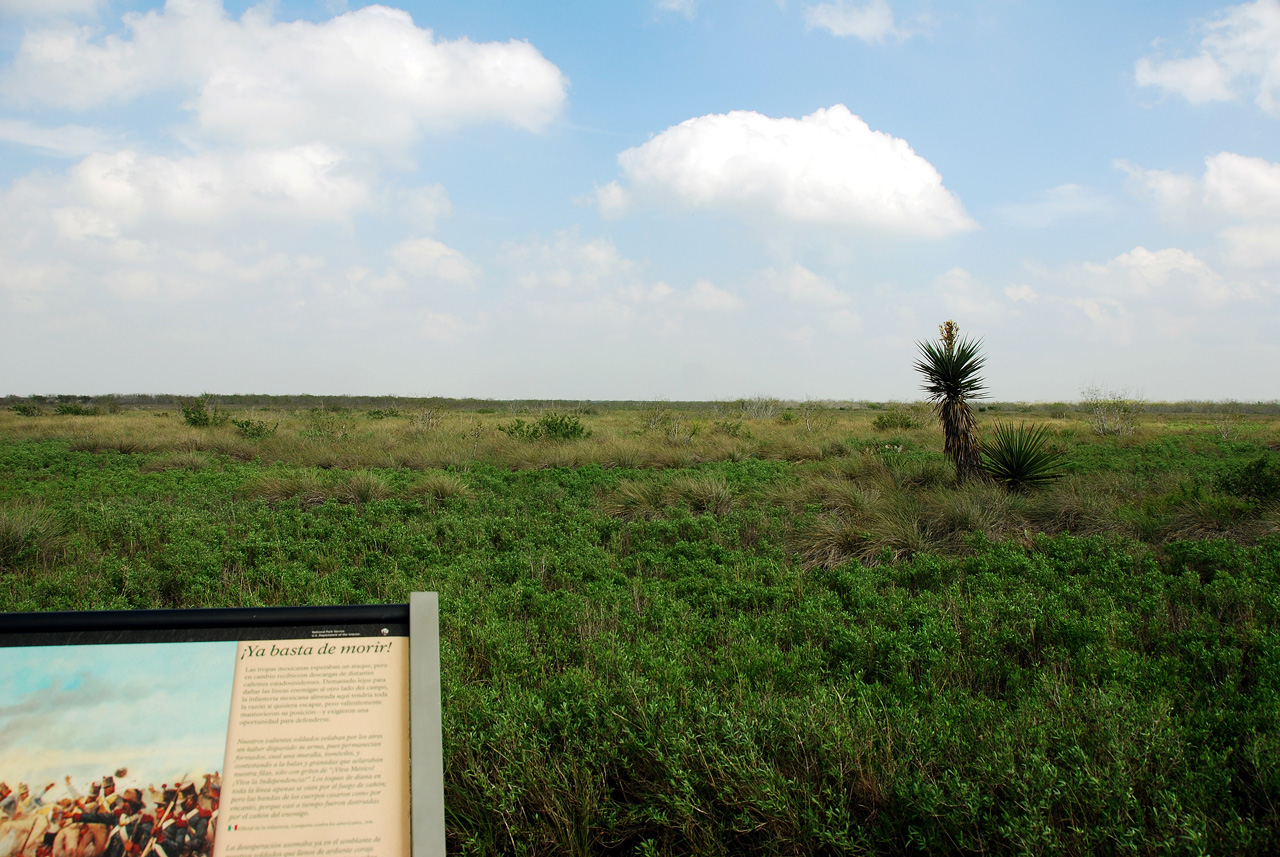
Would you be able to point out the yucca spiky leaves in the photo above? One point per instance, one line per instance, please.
(950, 368)
(1018, 457)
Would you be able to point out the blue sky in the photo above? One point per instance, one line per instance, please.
(659, 198)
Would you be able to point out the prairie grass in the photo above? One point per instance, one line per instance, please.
(703, 493)
(363, 486)
(30, 529)
(277, 487)
(192, 461)
(759, 640)
(439, 485)
(633, 499)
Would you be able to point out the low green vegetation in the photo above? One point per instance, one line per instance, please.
(759, 636)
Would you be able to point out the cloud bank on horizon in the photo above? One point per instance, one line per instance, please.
(660, 198)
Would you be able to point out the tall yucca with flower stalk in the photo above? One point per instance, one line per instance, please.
(950, 368)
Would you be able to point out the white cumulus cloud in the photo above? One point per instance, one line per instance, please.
(1254, 245)
(1240, 51)
(366, 78)
(427, 258)
(803, 286)
(1238, 193)
(1145, 272)
(706, 296)
(826, 168)
(119, 189)
(48, 8)
(1242, 186)
(64, 141)
(568, 263)
(872, 21)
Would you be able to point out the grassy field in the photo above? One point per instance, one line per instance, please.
(719, 628)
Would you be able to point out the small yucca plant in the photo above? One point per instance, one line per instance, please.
(1018, 457)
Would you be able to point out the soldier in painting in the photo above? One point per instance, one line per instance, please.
(130, 827)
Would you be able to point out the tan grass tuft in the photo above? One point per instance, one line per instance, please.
(438, 485)
(363, 486)
(632, 500)
(704, 494)
(278, 488)
(30, 526)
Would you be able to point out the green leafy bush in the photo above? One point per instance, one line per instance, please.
(75, 409)
(383, 413)
(26, 409)
(1257, 480)
(549, 426)
(200, 413)
(731, 428)
(894, 420)
(254, 429)
(1018, 457)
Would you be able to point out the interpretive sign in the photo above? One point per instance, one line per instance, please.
(285, 731)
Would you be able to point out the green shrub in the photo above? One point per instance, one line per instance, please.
(75, 409)
(1257, 480)
(895, 420)
(254, 429)
(549, 426)
(383, 413)
(26, 409)
(1019, 458)
(200, 413)
(731, 428)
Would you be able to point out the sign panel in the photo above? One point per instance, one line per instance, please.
(222, 732)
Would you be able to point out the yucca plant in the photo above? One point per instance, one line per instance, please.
(950, 368)
(1018, 457)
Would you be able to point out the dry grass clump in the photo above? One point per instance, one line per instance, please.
(900, 529)
(123, 444)
(633, 500)
(894, 529)
(624, 452)
(309, 489)
(30, 527)
(363, 486)
(975, 507)
(842, 496)
(833, 540)
(1082, 506)
(306, 488)
(439, 485)
(704, 494)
